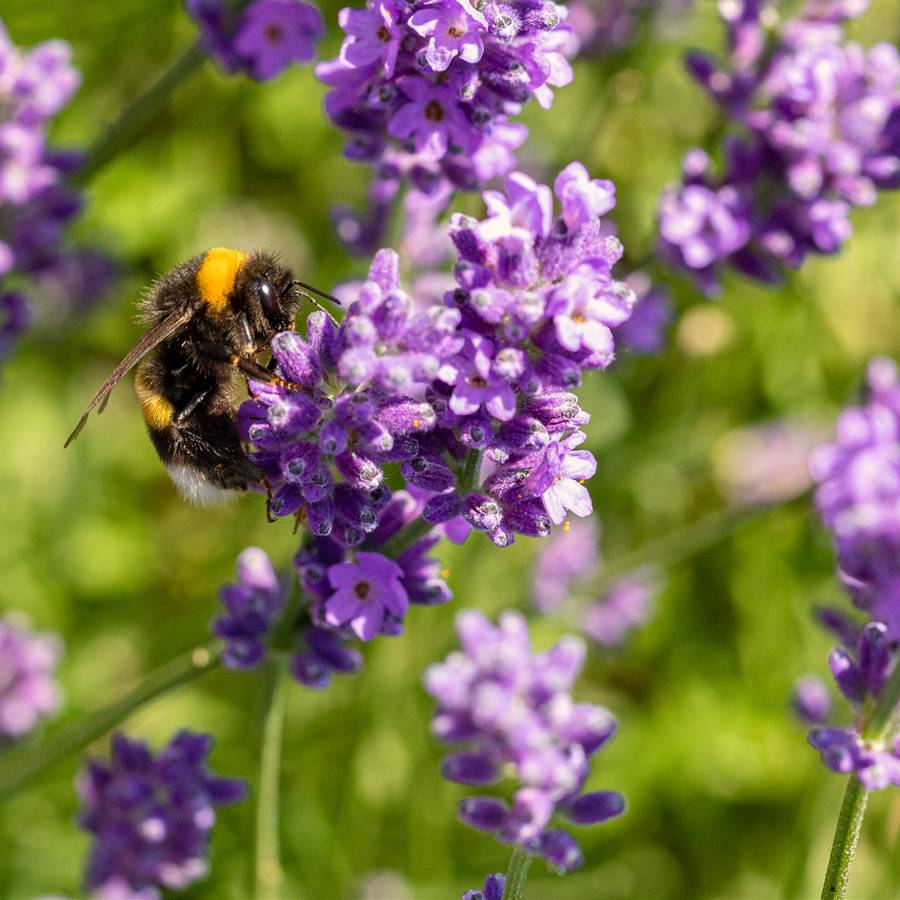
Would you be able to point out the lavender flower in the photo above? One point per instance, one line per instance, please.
(35, 205)
(426, 91)
(811, 700)
(492, 890)
(860, 676)
(609, 26)
(151, 816)
(625, 607)
(858, 495)
(28, 692)
(570, 555)
(817, 134)
(262, 39)
(512, 711)
(252, 606)
(470, 398)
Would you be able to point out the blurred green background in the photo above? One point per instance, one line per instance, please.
(725, 798)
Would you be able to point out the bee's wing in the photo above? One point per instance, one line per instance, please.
(158, 333)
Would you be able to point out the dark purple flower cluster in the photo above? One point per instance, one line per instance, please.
(151, 816)
(252, 606)
(492, 890)
(512, 710)
(35, 204)
(426, 90)
(470, 399)
(858, 495)
(819, 123)
(261, 38)
(861, 675)
(646, 331)
(28, 692)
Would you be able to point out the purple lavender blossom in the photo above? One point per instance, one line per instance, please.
(811, 700)
(570, 555)
(492, 890)
(426, 90)
(28, 692)
(625, 607)
(858, 495)
(252, 606)
(151, 816)
(512, 711)
(471, 398)
(263, 39)
(816, 135)
(860, 675)
(35, 206)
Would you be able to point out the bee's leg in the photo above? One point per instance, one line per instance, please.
(246, 365)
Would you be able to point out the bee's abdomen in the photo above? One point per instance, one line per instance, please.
(157, 409)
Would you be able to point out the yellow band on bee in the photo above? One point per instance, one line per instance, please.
(158, 412)
(216, 275)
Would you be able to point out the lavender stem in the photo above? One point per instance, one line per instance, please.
(137, 115)
(268, 872)
(846, 837)
(18, 767)
(516, 874)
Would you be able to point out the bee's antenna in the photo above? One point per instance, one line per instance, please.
(315, 290)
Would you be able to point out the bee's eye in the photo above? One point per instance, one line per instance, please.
(266, 297)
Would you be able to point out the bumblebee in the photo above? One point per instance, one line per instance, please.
(207, 318)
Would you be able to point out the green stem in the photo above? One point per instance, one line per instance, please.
(268, 871)
(405, 538)
(471, 466)
(135, 117)
(846, 837)
(19, 767)
(846, 833)
(516, 873)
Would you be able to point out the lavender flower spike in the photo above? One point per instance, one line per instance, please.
(511, 710)
(28, 692)
(151, 816)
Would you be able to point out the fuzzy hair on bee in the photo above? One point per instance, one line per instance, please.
(207, 318)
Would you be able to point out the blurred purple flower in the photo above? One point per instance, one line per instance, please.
(626, 606)
(28, 691)
(262, 39)
(609, 26)
(811, 700)
(151, 817)
(568, 556)
(816, 119)
(644, 332)
(858, 495)
(512, 711)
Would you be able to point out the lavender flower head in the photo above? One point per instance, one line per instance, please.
(817, 132)
(426, 91)
(28, 691)
(858, 495)
(262, 39)
(811, 700)
(35, 204)
(512, 711)
(860, 674)
(151, 816)
(472, 398)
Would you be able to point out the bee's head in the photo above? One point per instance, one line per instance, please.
(265, 293)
